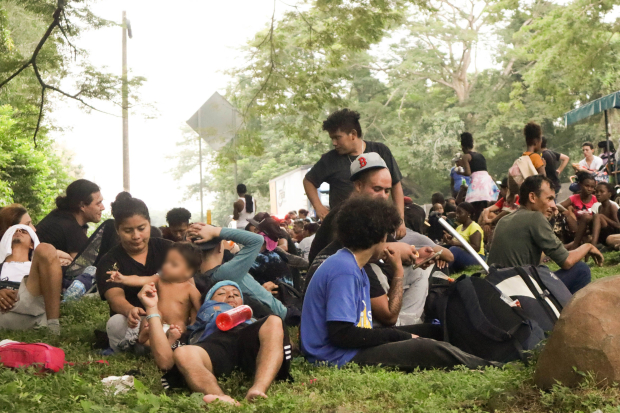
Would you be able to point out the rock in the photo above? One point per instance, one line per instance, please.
(586, 337)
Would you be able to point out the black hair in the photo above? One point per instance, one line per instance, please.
(532, 184)
(79, 194)
(363, 222)
(344, 120)
(533, 133)
(189, 252)
(467, 140)
(241, 189)
(610, 187)
(583, 176)
(177, 216)
(603, 145)
(588, 144)
(449, 208)
(437, 198)
(299, 221)
(311, 227)
(121, 196)
(126, 208)
(467, 207)
(544, 143)
(303, 212)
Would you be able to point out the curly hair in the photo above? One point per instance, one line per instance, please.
(345, 120)
(533, 133)
(177, 216)
(583, 176)
(467, 207)
(363, 222)
(467, 140)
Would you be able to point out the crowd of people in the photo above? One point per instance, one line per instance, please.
(355, 276)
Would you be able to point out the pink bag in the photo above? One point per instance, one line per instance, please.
(15, 355)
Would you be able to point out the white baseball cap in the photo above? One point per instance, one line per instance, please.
(364, 162)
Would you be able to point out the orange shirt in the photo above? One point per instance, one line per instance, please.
(537, 160)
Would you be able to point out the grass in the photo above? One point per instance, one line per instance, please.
(78, 388)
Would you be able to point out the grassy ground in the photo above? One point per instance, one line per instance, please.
(78, 388)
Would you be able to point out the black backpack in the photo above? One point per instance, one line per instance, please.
(481, 321)
(541, 294)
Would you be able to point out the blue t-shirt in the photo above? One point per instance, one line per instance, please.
(458, 179)
(338, 291)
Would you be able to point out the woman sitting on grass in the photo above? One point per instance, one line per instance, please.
(471, 232)
(578, 208)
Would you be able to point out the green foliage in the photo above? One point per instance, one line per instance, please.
(29, 175)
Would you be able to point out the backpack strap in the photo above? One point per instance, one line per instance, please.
(541, 300)
(466, 291)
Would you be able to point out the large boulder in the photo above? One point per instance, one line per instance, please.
(586, 337)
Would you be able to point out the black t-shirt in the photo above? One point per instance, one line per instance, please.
(376, 289)
(335, 169)
(552, 160)
(62, 230)
(478, 162)
(158, 248)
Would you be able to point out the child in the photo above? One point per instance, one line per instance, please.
(605, 222)
(179, 299)
(437, 209)
(578, 208)
(435, 232)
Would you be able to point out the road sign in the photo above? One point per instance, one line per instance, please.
(217, 121)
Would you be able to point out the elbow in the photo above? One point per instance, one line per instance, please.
(567, 264)
(389, 320)
(447, 255)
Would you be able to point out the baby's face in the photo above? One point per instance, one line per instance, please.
(175, 268)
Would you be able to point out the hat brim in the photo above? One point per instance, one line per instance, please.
(356, 175)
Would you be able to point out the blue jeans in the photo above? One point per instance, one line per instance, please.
(575, 278)
(462, 259)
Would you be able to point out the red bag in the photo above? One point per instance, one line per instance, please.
(26, 354)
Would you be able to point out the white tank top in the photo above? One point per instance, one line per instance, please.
(242, 222)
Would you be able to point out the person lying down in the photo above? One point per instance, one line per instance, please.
(179, 299)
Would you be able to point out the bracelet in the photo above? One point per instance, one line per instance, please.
(148, 317)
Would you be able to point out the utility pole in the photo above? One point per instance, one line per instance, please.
(125, 104)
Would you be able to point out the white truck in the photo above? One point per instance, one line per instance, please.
(286, 192)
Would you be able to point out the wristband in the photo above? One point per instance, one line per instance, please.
(148, 317)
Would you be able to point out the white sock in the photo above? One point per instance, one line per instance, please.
(54, 326)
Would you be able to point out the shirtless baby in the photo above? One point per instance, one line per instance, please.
(179, 299)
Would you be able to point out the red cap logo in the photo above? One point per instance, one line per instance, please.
(362, 162)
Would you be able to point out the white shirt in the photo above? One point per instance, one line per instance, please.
(596, 206)
(305, 245)
(594, 166)
(15, 271)
(242, 222)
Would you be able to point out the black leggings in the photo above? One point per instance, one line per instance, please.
(424, 353)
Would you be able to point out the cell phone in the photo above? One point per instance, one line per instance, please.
(426, 260)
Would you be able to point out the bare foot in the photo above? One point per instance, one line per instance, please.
(253, 394)
(173, 334)
(210, 398)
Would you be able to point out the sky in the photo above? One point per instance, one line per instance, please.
(182, 48)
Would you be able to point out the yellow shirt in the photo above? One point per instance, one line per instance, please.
(471, 230)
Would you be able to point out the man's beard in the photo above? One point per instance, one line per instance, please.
(16, 241)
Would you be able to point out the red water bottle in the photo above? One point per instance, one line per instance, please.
(231, 318)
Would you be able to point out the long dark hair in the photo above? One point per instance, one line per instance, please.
(79, 193)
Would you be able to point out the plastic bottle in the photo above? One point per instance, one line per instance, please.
(231, 318)
(78, 286)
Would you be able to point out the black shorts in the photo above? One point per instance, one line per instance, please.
(238, 348)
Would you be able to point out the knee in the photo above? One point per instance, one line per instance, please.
(583, 270)
(182, 356)
(46, 252)
(273, 325)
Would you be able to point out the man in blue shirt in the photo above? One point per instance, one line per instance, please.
(336, 321)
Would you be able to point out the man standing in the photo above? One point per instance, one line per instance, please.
(523, 236)
(66, 226)
(244, 208)
(590, 163)
(345, 132)
(552, 167)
